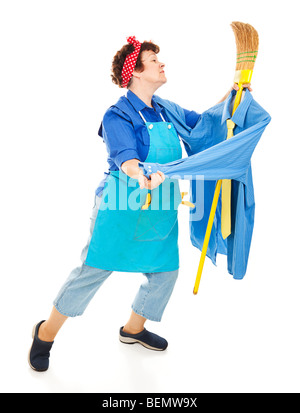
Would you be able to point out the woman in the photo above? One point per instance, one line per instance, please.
(128, 231)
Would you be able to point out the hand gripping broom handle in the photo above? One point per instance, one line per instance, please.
(241, 77)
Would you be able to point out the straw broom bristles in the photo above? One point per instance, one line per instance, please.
(246, 38)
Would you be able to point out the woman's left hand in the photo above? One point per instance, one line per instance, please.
(236, 87)
(244, 86)
(157, 179)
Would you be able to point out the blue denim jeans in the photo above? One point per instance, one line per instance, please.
(84, 281)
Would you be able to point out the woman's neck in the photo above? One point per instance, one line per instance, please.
(144, 95)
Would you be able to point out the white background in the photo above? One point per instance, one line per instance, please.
(234, 336)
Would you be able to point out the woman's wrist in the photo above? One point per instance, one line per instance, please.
(132, 169)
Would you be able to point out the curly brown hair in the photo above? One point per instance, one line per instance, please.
(120, 56)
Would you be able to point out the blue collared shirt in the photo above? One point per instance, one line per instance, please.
(126, 137)
(214, 157)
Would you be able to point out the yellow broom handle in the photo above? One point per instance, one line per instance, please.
(237, 100)
(243, 77)
(207, 234)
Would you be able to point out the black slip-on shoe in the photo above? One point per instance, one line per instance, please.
(39, 352)
(145, 338)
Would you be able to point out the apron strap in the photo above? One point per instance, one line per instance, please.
(145, 119)
(162, 117)
(142, 116)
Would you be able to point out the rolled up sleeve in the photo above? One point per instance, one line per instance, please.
(119, 137)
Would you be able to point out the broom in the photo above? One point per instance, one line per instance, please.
(246, 38)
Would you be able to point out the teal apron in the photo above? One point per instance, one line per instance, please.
(127, 237)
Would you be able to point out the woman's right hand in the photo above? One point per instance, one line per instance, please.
(132, 169)
(156, 179)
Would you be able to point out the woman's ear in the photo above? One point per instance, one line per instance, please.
(136, 74)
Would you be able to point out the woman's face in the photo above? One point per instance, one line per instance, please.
(153, 69)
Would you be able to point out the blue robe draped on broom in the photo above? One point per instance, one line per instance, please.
(214, 157)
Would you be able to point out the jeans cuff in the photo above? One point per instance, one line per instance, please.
(149, 317)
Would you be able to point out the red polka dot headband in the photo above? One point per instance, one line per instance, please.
(130, 60)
